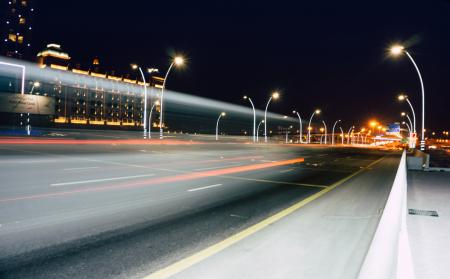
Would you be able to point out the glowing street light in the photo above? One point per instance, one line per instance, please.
(36, 84)
(135, 67)
(177, 61)
(254, 117)
(332, 132)
(397, 50)
(217, 125)
(150, 119)
(275, 95)
(317, 111)
(301, 127)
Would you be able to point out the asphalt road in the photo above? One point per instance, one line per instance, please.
(81, 209)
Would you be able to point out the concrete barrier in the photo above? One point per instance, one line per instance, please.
(389, 255)
(418, 160)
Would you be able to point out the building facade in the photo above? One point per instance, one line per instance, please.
(94, 96)
(16, 28)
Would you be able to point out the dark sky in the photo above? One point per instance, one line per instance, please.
(327, 54)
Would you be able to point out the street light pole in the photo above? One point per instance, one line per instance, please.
(254, 117)
(396, 50)
(309, 125)
(177, 61)
(342, 135)
(301, 127)
(349, 130)
(134, 66)
(217, 125)
(275, 96)
(325, 125)
(150, 119)
(332, 133)
(257, 130)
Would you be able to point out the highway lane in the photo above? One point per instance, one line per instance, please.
(61, 203)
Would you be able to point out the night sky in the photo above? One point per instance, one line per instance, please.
(327, 54)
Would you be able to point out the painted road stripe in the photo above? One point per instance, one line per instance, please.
(216, 248)
(274, 182)
(99, 180)
(218, 167)
(205, 187)
(85, 168)
(288, 170)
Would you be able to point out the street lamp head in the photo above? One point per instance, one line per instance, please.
(294, 112)
(178, 60)
(275, 95)
(322, 130)
(397, 50)
(157, 103)
(152, 70)
(134, 66)
(403, 114)
(403, 122)
(317, 111)
(262, 121)
(284, 116)
(402, 97)
(223, 114)
(245, 97)
(36, 84)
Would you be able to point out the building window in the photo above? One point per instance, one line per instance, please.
(12, 37)
(22, 20)
(20, 39)
(24, 3)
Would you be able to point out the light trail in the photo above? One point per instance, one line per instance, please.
(70, 79)
(161, 180)
(27, 141)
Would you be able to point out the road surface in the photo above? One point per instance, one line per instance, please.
(87, 207)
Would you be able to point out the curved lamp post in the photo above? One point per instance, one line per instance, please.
(398, 50)
(332, 132)
(257, 130)
(300, 123)
(325, 125)
(275, 95)
(317, 111)
(349, 131)
(342, 135)
(413, 128)
(178, 61)
(217, 125)
(254, 117)
(135, 67)
(150, 119)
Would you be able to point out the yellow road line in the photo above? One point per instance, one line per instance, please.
(211, 250)
(274, 182)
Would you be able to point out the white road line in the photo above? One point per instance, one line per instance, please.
(205, 187)
(288, 170)
(84, 168)
(219, 167)
(99, 180)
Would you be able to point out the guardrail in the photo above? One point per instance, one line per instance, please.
(389, 255)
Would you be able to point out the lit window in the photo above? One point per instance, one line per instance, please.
(20, 39)
(24, 3)
(12, 37)
(22, 20)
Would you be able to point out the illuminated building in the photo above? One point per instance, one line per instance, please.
(86, 101)
(16, 27)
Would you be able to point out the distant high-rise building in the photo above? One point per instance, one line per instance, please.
(16, 27)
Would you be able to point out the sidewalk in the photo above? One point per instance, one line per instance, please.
(429, 236)
(327, 238)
